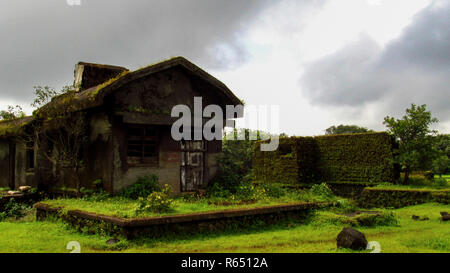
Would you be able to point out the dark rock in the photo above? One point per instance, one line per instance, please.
(446, 217)
(112, 241)
(415, 217)
(443, 213)
(351, 238)
(424, 219)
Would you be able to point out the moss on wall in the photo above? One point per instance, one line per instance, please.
(379, 197)
(303, 160)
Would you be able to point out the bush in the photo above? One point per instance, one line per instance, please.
(158, 202)
(441, 182)
(274, 190)
(429, 175)
(322, 190)
(143, 187)
(14, 210)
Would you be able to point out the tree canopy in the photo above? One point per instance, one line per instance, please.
(346, 129)
(414, 136)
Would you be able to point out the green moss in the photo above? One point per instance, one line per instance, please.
(108, 82)
(301, 160)
(397, 198)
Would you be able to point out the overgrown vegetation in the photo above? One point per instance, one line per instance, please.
(60, 133)
(12, 112)
(14, 210)
(346, 129)
(413, 134)
(142, 188)
(317, 235)
(157, 202)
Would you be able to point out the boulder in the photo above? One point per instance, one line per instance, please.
(445, 216)
(112, 241)
(24, 189)
(351, 238)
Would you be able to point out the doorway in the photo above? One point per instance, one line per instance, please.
(192, 164)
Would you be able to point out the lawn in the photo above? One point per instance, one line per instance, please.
(315, 235)
(126, 208)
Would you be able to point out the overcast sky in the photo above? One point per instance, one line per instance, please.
(323, 62)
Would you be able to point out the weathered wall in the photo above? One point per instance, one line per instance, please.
(20, 177)
(97, 157)
(4, 164)
(150, 101)
(167, 170)
(355, 157)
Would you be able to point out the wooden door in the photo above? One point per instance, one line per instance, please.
(192, 165)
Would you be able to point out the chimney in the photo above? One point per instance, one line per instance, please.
(88, 75)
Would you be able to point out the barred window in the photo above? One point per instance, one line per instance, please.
(142, 145)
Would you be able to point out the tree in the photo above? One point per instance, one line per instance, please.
(441, 165)
(61, 131)
(346, 129)
(12, 113)
(413, 134)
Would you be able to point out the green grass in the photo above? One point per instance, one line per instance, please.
(445, 176)
(123, 207)
(126, 208)
(314, 236)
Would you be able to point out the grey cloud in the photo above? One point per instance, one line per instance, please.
(42, 40)
(414, 68)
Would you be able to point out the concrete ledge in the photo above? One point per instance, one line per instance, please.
(159, 226)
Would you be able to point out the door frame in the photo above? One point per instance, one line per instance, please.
(184, 164)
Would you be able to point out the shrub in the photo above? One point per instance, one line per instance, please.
(441, 182)
(429, 175)
(143, 187)
(274, 190)
(379, 219)
(158, 202)
(216, 190)
(322, 190)
(14, 210)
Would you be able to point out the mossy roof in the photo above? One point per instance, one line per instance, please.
(14, 127)
(94, 96)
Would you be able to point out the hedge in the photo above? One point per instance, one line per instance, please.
(379, 197)
(355, 157)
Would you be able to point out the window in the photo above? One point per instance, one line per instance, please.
(142, 145)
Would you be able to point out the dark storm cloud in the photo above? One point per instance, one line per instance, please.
(414, 68)
(42, 40)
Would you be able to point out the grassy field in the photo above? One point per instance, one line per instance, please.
(317, 235)
(123, 207)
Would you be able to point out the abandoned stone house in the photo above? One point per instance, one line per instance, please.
(129, 132)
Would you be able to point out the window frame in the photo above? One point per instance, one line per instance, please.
(142, 142)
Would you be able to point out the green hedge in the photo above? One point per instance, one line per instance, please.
(379, 197)
(354, 157)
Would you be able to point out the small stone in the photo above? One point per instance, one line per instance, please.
(351, 238)
(443, 213)
(446, 217)
(24, 189)
(112, 241)
(415, 217)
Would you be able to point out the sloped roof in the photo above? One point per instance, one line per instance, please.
(94, 96)
(14, 126)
